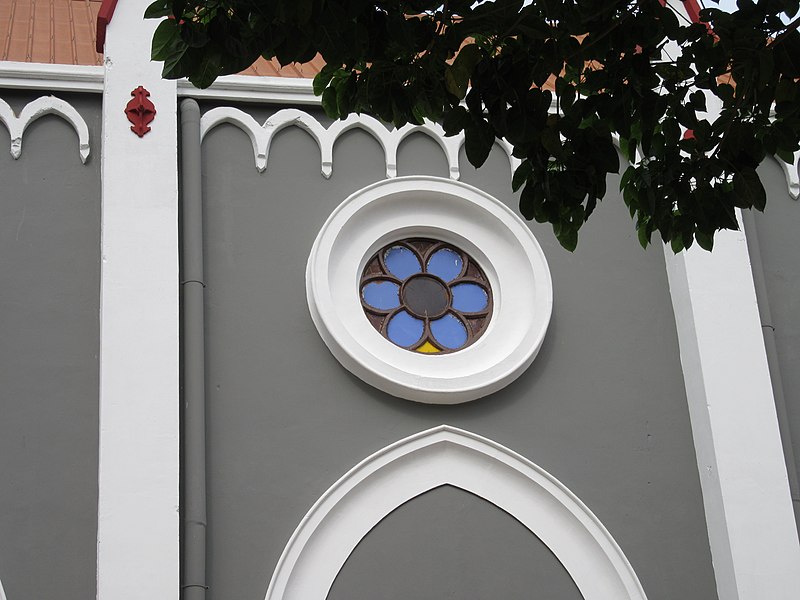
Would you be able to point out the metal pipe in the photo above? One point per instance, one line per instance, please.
(193, 585)
(768, 328)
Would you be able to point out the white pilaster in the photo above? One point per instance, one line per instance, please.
(748, 509)
(138, 521)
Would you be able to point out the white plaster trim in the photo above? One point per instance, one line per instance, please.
(45, 105)
(445, 455)
(748, 508)
(2, 593)
(456, 213)
(54, 78)
(138, 520)
(389, 139)
(792, 172)
(249, 88)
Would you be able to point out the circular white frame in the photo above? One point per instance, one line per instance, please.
(453, 212)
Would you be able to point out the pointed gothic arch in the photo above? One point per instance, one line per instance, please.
(394, 475)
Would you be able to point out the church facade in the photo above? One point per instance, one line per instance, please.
(249, 352)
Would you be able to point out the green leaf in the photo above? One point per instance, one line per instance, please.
(644, 236)
(551, 140)
(158, 9)
(606, 156)
(455, 120)
(568, 238)
(697, 100)
(177, 65)
(625, 180)
(747, 185)
(479, 139)
(329, 104)
(527, 202)
(521, 175)
(787, 55)
(785, 155)
(304, 9)
(322, 79)
(207, 73)
(458, 74)
(704, 240)
(165, 39)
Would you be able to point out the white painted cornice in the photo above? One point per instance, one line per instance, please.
(45, 105)
(251, 88)
(53, 78)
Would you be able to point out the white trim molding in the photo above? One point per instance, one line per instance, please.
(254, 88)
(452, 212)
(2, 592)
(389, 139)
(44, 105)
(53, 78)
(751, 527)
(792, 172)
(375, 487)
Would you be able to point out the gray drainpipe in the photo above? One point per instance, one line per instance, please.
(768, 329)
(193, 585)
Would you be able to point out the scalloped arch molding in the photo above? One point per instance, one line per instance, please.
(445, 455)
(261, 136)
(44, 105)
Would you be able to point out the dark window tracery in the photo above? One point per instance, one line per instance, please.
(426, 296)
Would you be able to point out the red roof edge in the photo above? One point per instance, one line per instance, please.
(692, 7)
(103, 19)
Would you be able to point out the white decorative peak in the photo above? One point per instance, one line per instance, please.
(45, 105)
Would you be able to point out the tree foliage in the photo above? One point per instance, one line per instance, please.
(695, 106)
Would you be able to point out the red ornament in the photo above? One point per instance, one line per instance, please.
(140, 111)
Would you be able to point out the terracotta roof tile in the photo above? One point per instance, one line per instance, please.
(273, 68)
(49, 31)
(63, 32)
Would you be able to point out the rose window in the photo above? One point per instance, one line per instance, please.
(426, 296)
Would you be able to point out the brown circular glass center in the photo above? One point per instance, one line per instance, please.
(425, 296)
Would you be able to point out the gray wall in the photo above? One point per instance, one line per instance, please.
(602, 408)
(777, 232)
(49, 304)
(448, 535)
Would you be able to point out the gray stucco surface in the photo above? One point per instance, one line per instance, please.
(468, 540)
(602, 408)
(49, 305)
(777, 229)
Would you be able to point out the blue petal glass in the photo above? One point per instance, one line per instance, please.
(383, 295)
(445, 263)
(404, 330)
(401, 262)
(469, 297)
(449, 332)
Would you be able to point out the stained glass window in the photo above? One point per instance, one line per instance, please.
(426, 296)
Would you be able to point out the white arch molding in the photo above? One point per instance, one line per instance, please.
(389, 139)
(2, 593)
(336, 523)
(44, 105)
